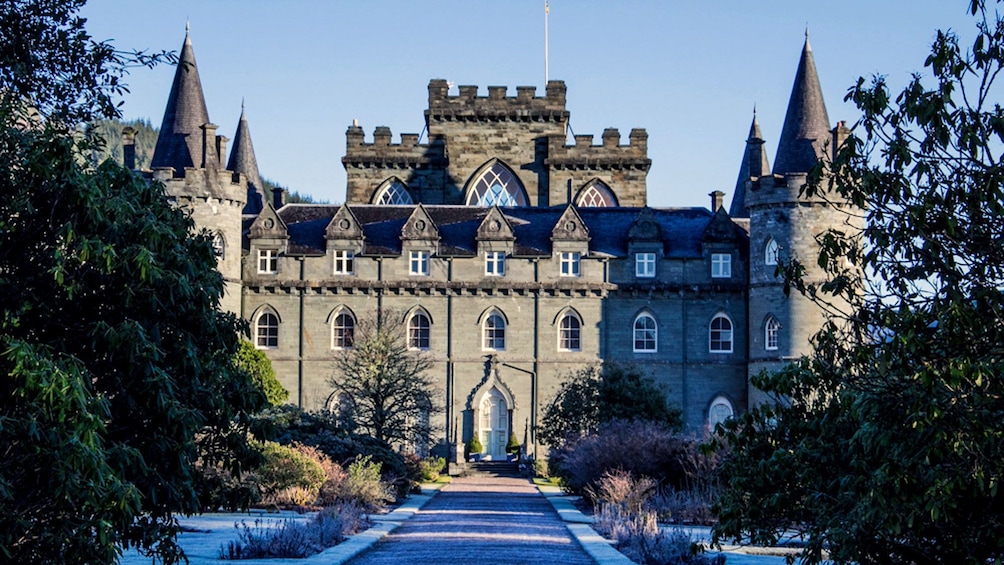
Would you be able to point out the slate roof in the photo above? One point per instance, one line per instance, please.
(755, 137)
(179, 144)
(242, 160)
(682, 228)
(806, 124)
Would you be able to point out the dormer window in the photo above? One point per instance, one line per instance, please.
(569, 264)
(721, 265)
(644, 265)
(495, 264)
(268, 261)
(343, 262)
(418, 263)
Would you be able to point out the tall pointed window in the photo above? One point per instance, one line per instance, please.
(596, 195)
(770, 330)
(418, 331)
(393, 193)
(496, 185)
(720, 336)
(570, 333)
(645, 334)
(267, 331)
(343, 331)
(494, 333)
(770, 252)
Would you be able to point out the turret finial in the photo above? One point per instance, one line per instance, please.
(188, 26)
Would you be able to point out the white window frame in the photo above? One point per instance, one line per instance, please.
(720, 333)
(340, 332)
(569, 336)
(219, 246)
(569, 261)
(498, 333)
(771, 252)
(721, 265)
(418, 263)
(771, 332)
(268, 261)
(495, 264)
(635, 331)
(344, 262)
(265, 339)
(644, 265)
(419, 334)
(720, 401)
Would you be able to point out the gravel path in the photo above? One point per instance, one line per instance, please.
(474, 519)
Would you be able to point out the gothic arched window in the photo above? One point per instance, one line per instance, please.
(343, 331)
(496, 185)
(770, 331)
(393, 193)
(494, 333)
(770, 252)
(721, 410)
(720, 336)
(570, 333)
(646, 334)
(267, 331)
(418, 331)
(596, 195)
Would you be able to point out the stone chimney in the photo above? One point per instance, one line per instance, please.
(208, 146)
(129, 148)
(717, 198)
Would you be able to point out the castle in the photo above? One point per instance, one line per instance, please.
(510, 255)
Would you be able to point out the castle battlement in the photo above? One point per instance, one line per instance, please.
(382, 152)
(498, 105)
(608, 154)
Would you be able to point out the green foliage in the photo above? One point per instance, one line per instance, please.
(110, 134)
(116, 357)
(256, 363)
(385, 384)
(285, 468)
(431, 467)
(888, 446)
(512, 446)
(595, 395)
(365, 485)
(474, 445)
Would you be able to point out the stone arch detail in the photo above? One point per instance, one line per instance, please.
(492, 379)
(495, 183)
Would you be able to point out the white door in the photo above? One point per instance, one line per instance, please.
(494, 426)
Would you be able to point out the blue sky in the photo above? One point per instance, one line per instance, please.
(689, 72)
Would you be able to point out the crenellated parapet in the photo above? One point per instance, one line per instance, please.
(609, 154)
(408, 153)
(467, 106)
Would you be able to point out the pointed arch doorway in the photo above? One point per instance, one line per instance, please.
(493, 425)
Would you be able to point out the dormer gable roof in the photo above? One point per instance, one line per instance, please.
(344, 225)
(420, 226)
(722, 229)
(645, 227)
(268, 225)
(495, 226)
(570, 227)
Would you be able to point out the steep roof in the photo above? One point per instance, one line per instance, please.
(682, 229)
(806, 125)
(754, 164)
(242, 160)
(180, 142)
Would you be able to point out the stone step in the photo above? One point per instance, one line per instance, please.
(494, 468)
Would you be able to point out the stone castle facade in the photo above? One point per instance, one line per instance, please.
(510, 255)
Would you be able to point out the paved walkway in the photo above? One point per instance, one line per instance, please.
(480, 518)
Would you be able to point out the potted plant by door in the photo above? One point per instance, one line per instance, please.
(512, 447)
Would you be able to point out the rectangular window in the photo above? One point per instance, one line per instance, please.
(495, 264)
(644, 265)
(268, 261)
(569, 264)
(418, 263)
(343, 262)
(721, 265)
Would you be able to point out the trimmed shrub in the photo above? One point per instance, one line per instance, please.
(365, 487)
(288, 476)
(292, 539)
(431, 467)
(512, 447)
(474, 446)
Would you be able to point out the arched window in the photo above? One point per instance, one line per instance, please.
(596, 194)
(770, 330)
(343, 330)
(646, 334)
(267, 331)
(496, 185)
(494, 333)
(219, 246)
(770, 252)
(418, 331)
(721, 410)
(393, 193)
(570, 333)
(720, 335)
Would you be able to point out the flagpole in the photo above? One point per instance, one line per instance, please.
(547, 10)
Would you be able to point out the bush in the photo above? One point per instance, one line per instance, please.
(512, 447)
(622, 490)
(474, 446)
(431, 467)
(365, 487)
(289, 476)
(642, 448)
(291, 539)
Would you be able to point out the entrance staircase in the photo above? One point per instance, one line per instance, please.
(493, 469)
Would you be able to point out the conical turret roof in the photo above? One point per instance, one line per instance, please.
(242, 160)
(180, 142)
(754, 164)
(806, 125)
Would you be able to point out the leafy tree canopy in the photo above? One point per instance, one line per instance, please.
(116, 359)
(254, 362)
(600, 394)
(887, 446)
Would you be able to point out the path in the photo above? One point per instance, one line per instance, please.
(480, 518)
